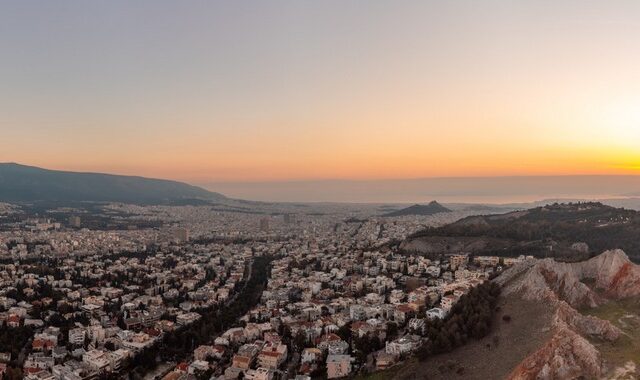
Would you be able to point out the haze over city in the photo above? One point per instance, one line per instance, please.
(243, 92)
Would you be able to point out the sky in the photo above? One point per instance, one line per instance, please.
(273, 91)
(616, 190)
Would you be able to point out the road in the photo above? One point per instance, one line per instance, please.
(248, 274)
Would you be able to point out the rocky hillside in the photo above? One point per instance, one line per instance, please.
(610, 275)
(571, 352)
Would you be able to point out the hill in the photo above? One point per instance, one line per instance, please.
(20, 183)
(430, 209)
(578, 292)
(554, 320)
(549, 231)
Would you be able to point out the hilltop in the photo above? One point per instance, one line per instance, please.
(574, 350)
(548, 231)
(20, 183)
(554, 320)
(430, 209)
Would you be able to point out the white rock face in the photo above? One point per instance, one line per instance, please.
(611, 272)
(566, 316)
(567, 286)
(566, 355)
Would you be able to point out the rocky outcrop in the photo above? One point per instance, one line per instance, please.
(566, 356)
(566, 316)
(613, 273)
(627, 372)
(556, 281)
(610, 274)
(567, 286)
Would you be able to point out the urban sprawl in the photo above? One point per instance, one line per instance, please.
(221, 295)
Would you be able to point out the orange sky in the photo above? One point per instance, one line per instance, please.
(318, 90)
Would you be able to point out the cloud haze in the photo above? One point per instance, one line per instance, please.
(473, 190)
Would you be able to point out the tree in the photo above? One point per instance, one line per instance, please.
(300, 340)
(392, 330)
(471, 316)
(344, 332)
(203, 375)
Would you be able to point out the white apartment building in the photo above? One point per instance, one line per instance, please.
(338, 366)
(77, 336)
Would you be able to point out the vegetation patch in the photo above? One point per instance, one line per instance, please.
(624, 314)
(470, 318)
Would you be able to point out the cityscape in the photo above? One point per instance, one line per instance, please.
(319, 190)
(224, 294)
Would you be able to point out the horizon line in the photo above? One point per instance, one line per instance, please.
(334, 180)
(515, 176)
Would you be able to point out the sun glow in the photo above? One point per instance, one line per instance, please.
(621, 120)
(323, 90)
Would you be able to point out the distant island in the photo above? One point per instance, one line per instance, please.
(21, 183)
(430, 209)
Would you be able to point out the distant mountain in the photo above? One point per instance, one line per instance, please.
(20, 183)
(430, 209)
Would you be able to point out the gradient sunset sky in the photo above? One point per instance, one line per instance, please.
(214, 91)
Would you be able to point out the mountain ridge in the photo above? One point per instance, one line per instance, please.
(23, 183)
(573, 350)
(432, 208)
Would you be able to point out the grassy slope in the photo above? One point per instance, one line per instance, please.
(526, 332)
(625, 314)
